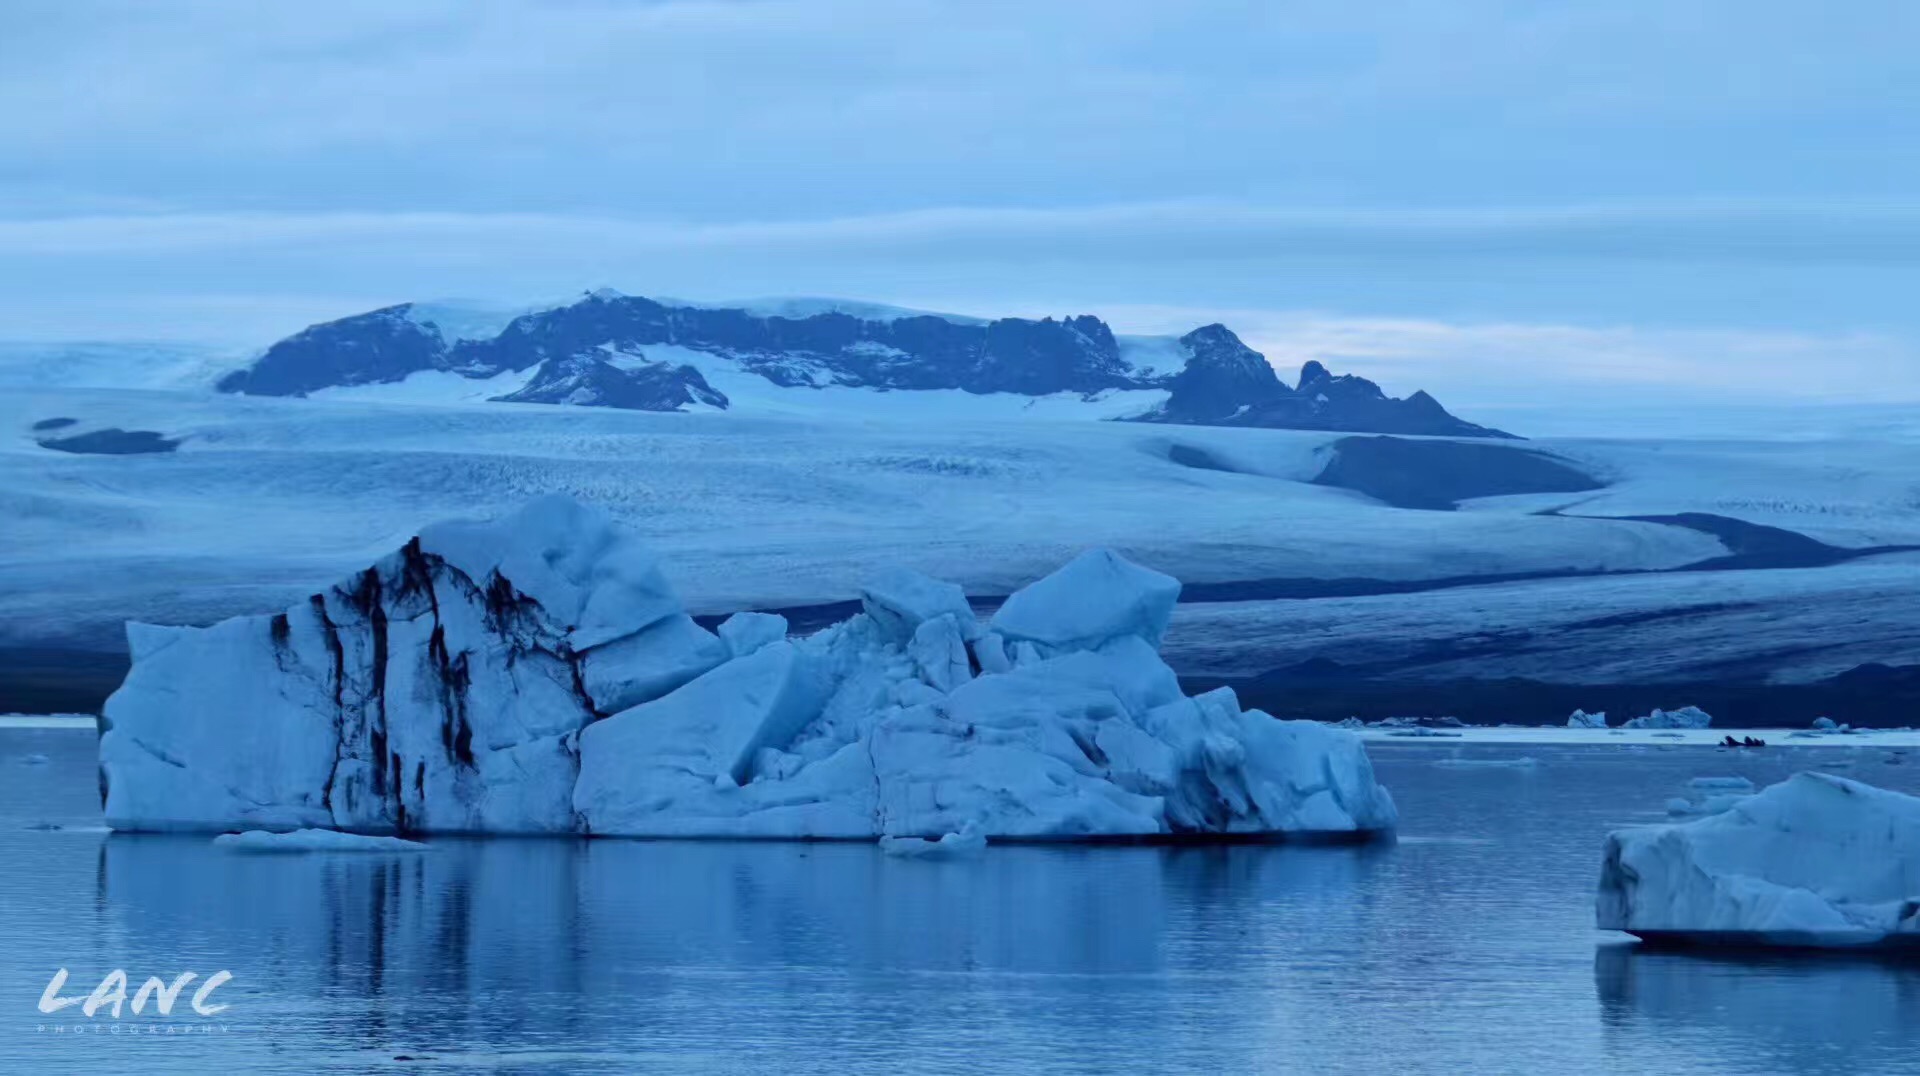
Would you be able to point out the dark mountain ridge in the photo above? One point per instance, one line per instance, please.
(594, 352)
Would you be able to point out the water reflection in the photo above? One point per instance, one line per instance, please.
(521, 941)
(1801, 1012)
(1468, 947)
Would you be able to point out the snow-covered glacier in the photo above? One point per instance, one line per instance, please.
(1814, 861)
(537, 674)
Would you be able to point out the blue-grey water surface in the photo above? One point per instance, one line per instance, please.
(1467, 946)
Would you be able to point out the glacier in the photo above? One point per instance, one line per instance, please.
(1814, 861)
(537, 674)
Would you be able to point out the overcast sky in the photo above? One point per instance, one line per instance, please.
(1495, 201)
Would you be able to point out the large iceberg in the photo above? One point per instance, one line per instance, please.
(536, 674)
(1686, 717)
(1816, 861)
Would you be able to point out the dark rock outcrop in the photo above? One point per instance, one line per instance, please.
(1223, 382)
(1224, 385)
(379, 346)
(593, 382)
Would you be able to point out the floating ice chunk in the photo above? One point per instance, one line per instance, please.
(1584, 720)
(1816, 860)
(35, 759)
(1525, 762)
(1096, 597)
(1824, 724)
(899, 601)
(1716, 803)
(1442, 722)
(313, 840)
(746, 632)
(939, 651)
(966, 844)
(1734, 784)
(1687, 717)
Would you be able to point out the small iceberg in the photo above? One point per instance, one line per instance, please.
(313, 840)
(1710, 796)
(965, 844)
(1442, 722)
(1524, 762)
(1737, 784)
(1718, 803)
(1816, 861)
(1687, 717)
(1584, 720)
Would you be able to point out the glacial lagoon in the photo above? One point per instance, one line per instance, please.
(1466, 945)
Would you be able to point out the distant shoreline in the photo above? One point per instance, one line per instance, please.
(55, 680)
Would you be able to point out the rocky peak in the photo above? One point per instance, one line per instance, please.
(1223, 378)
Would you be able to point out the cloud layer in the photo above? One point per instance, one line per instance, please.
(1648, 193)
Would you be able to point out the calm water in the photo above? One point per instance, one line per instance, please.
(1466, 946)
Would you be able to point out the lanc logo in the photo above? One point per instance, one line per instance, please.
(112, 992)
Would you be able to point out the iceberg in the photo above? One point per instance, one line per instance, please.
(1815, 861)
(1524, 762)
(1713, 803)
(1687, 717)
(1584, 720)
(1725, 784)
(313, 840)
(536, 674)
(965, 845)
